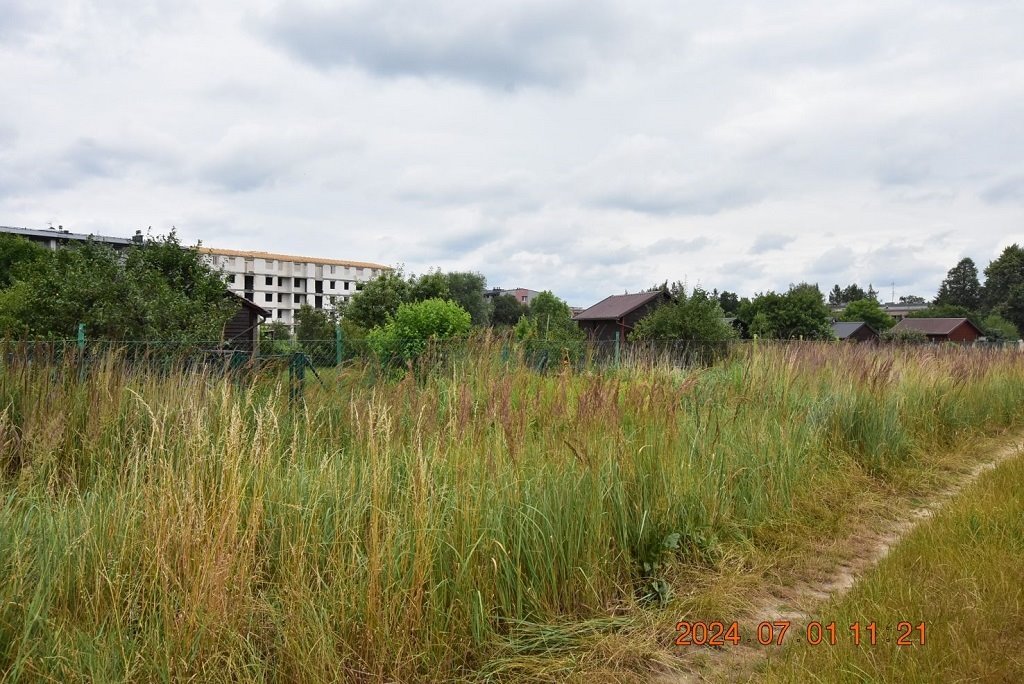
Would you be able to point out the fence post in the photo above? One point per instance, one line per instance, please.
(617, 336)
(296, 378)
(339, 345)
(81, 337)
(81, 352)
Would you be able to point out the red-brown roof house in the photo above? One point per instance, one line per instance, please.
(619, 313)
(942, 329)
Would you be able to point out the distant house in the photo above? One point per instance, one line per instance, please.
(854, 331)
(619, 313)
(942, 329)
(241, 332)
(522, 295)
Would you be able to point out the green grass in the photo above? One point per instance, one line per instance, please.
(481, 521)
(960, 573)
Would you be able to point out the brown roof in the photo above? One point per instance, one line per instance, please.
(934, 326)
(290, 257)
(617, 306)
(260, 311)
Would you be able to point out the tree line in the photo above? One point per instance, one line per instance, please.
(155, 290)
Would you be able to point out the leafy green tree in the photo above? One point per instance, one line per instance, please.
(853, 293)
(961, 286)
(153, 291)
(430, 285)
(467, 290)
(17, 253)
(275, 338)
(548, 332)
(801, 313)
(406, 336)
(835, 295)
(1004, 285)
(698, 317)
(912, 300)
(730, 303)
(378, 300)
(869, 311)
(507, 310)
(314, 331)
(1002, 274)
(998, 329)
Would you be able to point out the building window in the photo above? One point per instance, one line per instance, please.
(269, 280)
(280, 282)
(319, 302)
(279, 297)
(248, 295)
(298, 282)
(280, 313)
(268, 297)
(346, 285)
(332, 284)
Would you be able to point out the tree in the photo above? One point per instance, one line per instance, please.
(548, 332)
(467, 290)
(998, 329)
(153, 291)
(912, 300)
(1004, 285)
(872, 293)
(838, 296)
(801, 313)
(430, 285)
(961, 286)
(17, 253)
(507, 310)
(853, 293)
(378, 300)
(275, 338)
(314, 331)
(869, 311)
(730, 303)
(406, 335)
(698, 317)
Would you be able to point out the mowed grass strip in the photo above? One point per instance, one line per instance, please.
(960, 573)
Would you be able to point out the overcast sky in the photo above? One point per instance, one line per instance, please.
(590, 147)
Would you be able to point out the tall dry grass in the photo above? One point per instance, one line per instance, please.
(159, 526)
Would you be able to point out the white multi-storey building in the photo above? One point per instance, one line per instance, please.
(282, 283)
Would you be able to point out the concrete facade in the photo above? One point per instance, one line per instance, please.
(283, 283)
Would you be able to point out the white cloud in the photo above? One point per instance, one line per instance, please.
(588, 148)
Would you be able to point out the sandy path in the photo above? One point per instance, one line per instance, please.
(799, 603)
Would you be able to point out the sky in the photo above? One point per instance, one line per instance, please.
(588, 147)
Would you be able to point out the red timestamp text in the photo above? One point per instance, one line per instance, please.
(718, 633)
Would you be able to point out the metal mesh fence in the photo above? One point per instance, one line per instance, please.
(298, 362)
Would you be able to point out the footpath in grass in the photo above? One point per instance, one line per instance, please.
(960, 574)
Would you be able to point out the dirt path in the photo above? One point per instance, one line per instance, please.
(800, 602)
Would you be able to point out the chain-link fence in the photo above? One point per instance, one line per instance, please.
(298, 362)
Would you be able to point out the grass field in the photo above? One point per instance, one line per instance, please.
(960, 575)
(482, 522)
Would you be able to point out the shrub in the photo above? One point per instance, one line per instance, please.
(905, 336)
(406, 335)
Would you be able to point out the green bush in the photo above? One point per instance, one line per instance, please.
(406, 335)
